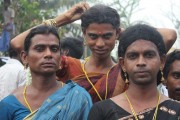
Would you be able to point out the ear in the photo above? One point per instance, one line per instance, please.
(84, 31)
(23, 56)
(163, 61)
(118, 31)
(121, 62)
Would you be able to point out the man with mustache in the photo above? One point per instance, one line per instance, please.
(172, 74)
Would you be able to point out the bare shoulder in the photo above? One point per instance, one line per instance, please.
(120, 100)
(18, 93)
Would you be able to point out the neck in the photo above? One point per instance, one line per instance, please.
(105, 62)
(139, 93)
(43, 83)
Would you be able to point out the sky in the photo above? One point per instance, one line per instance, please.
(155, 12)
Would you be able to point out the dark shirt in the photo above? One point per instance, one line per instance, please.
(108, 110)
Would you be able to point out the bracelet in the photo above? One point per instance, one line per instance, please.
(50, 22)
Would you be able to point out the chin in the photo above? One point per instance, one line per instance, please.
(144, 82)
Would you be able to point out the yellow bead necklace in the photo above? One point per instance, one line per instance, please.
(107, 75)
(133, 111)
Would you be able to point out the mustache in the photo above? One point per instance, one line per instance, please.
(177, 89)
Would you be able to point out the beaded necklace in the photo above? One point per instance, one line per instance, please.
(133, 111)
(25, 99)
(107, 75)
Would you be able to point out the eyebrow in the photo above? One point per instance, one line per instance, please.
(91, 33)
(133, 51)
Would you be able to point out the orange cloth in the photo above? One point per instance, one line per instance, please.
(71, 68)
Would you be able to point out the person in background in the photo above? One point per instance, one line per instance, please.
(142, 67)
(172, 74)
(73, 47)
(2, 62)
(12, 74)
(98, 74)
(45, 98)
(8, 26)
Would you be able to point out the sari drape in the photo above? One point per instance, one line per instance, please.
(72, 69)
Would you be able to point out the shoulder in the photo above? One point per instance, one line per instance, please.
(103, 105)
(170, 104)
(7, 104)
(80, 91)
(102, 110)
(18, 93)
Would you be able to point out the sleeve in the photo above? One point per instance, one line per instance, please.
(4, 114)
(95, 112)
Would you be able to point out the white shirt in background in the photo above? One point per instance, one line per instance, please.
(162, 89)
(12, 75)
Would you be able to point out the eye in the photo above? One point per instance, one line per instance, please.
(176, 75)
(107, 36)
(93, 36)
(54, 48)
(149, 54)
(39, 48)
(132, 56)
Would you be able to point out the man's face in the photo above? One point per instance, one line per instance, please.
(101, 39)
(44, 54)
(173, 80)
(142, 62)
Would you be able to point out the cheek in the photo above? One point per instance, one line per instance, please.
(171, 83)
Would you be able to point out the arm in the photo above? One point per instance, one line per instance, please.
(169, 37)
(69, 16)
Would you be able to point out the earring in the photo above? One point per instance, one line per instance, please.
(162, 75)
(84, 43)
(25, 66)
(125, 75)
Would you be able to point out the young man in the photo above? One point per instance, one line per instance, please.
(45, 97)
(172, 74)
(99, 74)
(142, 57)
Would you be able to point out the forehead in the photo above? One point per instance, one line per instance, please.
(44, 39)
(175, 66)
(141, 46)
(100, 28)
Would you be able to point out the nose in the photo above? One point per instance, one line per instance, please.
(100, 42)
(48, 53)
(141, 61)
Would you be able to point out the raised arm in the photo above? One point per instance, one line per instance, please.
(169, 37)
(69, 16)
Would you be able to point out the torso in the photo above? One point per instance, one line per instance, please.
(109, 110)
(34, 98)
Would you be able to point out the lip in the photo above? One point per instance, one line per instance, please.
(177, 90)
(100, 51)
(48, 64)
(141, 73)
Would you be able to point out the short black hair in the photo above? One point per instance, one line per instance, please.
(100, 14)
(12, 52)
(141, 31)
(171, 57)
(74, 45)
(42, 29)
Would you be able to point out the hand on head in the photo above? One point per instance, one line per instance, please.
(76, 11)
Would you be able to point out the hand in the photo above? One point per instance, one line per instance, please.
(76, 11)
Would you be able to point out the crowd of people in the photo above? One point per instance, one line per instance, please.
(66, 88)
